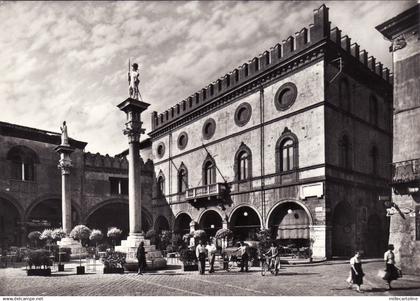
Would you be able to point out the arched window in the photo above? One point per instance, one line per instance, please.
(374, 160)
(209, 171)
(344, 94)
(286, 155)
(287, 152)
(22, 161)
(161, 185)
(243, 163)
(373, 109)
(182, 179)
(344, 146)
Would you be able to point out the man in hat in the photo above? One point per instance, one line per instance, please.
(134, 80)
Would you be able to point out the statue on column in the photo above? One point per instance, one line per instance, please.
(64, 135)
(134, 81)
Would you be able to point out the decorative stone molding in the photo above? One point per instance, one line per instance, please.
(243, 114)
(398, 43)
(65, 166)
(285, 96)
(182, 140)
(209, 128)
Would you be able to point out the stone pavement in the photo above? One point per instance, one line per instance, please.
(322, 279)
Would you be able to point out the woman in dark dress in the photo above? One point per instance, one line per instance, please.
(141, 258)
(356, 271)
(391, 271)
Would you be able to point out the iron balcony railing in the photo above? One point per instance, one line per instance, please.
(207, 191)
(406, 171)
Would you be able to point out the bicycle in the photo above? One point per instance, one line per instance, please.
(266, 266)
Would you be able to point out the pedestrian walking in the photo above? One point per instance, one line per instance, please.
(356, 271)
(141, 258)
(200, 252)
(392, 273)
(244, 256)
(211, 250)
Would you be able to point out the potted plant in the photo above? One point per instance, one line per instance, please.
(189, 260)
(114, 233)
(40, 260)
(56, 235)
(80, 233)
(222, 235)
(113, 262)
(165, 240)
(96, 236)
(34, 237)
(46, 236)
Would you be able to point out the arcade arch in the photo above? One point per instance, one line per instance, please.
(289, 222)
(11, 229)
(210, 221)
(245, 222)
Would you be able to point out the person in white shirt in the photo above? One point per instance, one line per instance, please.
(200, 252)
(244, 256)
(356, 271)
(391, 270)
(211, 251)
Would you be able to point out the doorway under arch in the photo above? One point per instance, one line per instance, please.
(343, 230)
(245, 223)
(374, 239)
(182, 224)
(210, 222)
(47, 214)
(115, 214)
(289, 224)
(161, 224)
(10, 225)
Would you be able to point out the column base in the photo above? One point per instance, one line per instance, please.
(76, 247)
(154, 258)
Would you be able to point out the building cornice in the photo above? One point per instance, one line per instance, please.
(401, 23)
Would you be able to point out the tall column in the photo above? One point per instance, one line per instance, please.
(133, 109)
(65, 166)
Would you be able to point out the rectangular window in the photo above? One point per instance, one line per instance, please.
(2, 224)
(417, 222)
(28, 172)
(17, 170)
(118, 186)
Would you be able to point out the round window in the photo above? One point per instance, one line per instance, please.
(209, 128)
(285, 96)
(160, 150)
(243, 114)
(182, 140)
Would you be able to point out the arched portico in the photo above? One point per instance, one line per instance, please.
(210, 220)
(289, 222)
(245, 221)
(182, 223)
(11, 226)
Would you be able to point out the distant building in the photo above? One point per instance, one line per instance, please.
(403, 31)
(297, 140)
(30, 185)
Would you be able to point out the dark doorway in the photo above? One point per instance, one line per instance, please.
(161, 224)
(182, 224)
(343, 230)
(374, 239)
(10, 225)
(245, 224)
(210, 222)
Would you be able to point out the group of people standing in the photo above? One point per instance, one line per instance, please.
(202, 251)
(357, 274)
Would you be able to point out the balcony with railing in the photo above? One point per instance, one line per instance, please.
(406, 171)
(217, 191)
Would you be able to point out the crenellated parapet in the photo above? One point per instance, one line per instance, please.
(293, 52)
(117, 164)
(362, 56)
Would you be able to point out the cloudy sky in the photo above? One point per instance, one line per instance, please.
(68, 60)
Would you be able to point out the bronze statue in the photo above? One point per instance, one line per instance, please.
(134, 81)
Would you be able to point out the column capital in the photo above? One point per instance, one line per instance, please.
(65, 165)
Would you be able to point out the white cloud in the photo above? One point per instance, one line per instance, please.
(68, 60)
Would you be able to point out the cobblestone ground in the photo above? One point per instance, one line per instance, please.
(324, 279)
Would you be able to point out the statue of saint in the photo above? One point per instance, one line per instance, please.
(134, 81)
(64, 135)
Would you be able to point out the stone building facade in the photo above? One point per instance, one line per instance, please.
(30, 185)
(403, 31)
(297, 140)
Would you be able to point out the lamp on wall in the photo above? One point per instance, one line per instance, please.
(245, 213)
(212, 226)
(290, 211)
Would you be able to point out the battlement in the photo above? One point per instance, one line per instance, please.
(98, 161)
(353, 49)
(318, 31)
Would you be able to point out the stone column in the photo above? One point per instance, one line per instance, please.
(133, 109)
(65, 166)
